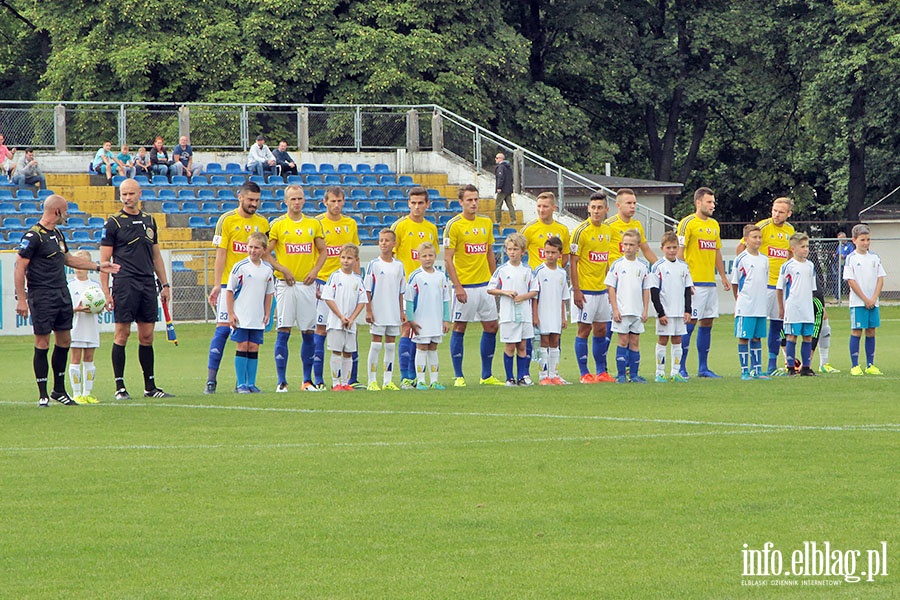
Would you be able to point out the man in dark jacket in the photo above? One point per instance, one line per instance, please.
(504, 176)
(284, 160)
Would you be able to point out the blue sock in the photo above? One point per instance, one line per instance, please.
(634, 362)
(854, 351)
(704, 336)
(281, 355)
(522, 365)
(457, 338)
(685, 346)
(252, 365)
(870, 351)
(756, 356)
(744, 357)
(508, 365)
(581, 354)
(216, 348)
(790, 352)
(411, 369)
(488, 345)
(403, 347)
(529, 343)
(599, 347)
(318, 359)
(621, 360)
(805, 353)
(354, 369)
(307, 352)
(607, 342)
(240, 368)
(774, 343)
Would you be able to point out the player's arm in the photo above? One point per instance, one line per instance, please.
(525, 296)
(370, 316)
(779, 293)
(688, 293)
(740, 247)
(658, 305)
(356, 311)
(720, 267)
(648, 252)
(874, 299)
(450, 268)
(19, 277)
(646, 299)
(617, 316)
(410, 314)
(320, 261)
(577, 294)
(229, 304)
(218, 272)
(159, 267)
(333, 307)
(285, 272)
(267, 307)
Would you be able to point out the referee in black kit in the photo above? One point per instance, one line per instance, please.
(130, 240)
(43, 258)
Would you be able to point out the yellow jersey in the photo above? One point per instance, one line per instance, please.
(295, 243)
(471, 240)
(232, 233)
(590, 243)
(536, 233)
(776, 246)
(700, 239)
(337, 233)
(618, 227)
(409, 236)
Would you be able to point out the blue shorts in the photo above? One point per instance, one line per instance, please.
(864, 318)
(750, 328)
(799, 329)
(254, 336)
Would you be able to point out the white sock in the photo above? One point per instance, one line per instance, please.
(824, 342)
(374, 354)
(433, 365)
(660, 360)
(346, 367)
(677, 353)
(89, 371)
(421, 363)
(553, 363)
(545, 363)
(390, 349)
(336, 369)
(75, 379)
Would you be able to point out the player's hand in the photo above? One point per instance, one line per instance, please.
(414, 327)
(345, 321)
(687, 318)
(663, 320)
(213, 296)
(781, 315)
(22, 308)
(537, 325)
(726, 285)
(446, 327)
(461, 295)
(565, 324)
(578, 299)
(309, 279)
(403, 318)
(110, 303)
(165, 295)
(370, 318)
(617, 316)
(644, 317)
(233, 320)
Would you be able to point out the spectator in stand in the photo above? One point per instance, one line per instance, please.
(160, 163)
(286, 164)
(504, 177)
(142, 163)
(28, 172)
(7, 163)
(105, 162)
(260, 160)
(127, 161)
(183, 158)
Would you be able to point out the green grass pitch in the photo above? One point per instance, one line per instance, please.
(603, 491)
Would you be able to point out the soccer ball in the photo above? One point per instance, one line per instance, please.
(92, 297)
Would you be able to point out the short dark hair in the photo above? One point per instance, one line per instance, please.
(335, 191)
(418, 191)
(467, 188)
(599, 196)
(555, 242)
(703, 191)
(249, 186)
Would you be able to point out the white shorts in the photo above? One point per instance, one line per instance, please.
(628, 324)
(341, 340)
(772, 311)
(596, 309)
(513, 333)
(222, 308)
(479, 306)
(296, 305)
(322, 310)
(391, 330)
(428, 339)
(84, 345)
(705, 303)
(675, 326)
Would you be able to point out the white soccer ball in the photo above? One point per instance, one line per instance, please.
(92, 297)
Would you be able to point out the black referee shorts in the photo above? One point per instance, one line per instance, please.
(51, 310)
(135, 300)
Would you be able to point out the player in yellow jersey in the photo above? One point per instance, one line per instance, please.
(298, 242)
(776, 233)
(590, 259)
(339, 229)
(233, 229)
(469, 262)
(412, 230)
(700, 246)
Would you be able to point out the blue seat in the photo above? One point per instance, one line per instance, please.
(358, 218)
(364, 206)
(396, 194)
(345, 169)
(209, 207)
(96, 222)
(258, 179)
(29, 207)
(4, 180)
(308, 169)
(190, 207)
(372, 220)
(363, 168)
(13, 223)
(318, 195)
(7, 207)
(41, 194)
(229, 205)
(73, 223)
(205, 194)
(166, 195)
(405, 180)
(74, 209)
(384, 207)
(213, 221)
(266, 195)
(234, 169)
(148, 195)
(377, 195)
(382, 169)
(276, 180)
(431, 219)
(81, 235)
(118, 179)
(331, 180)
(327, 168)
(186, 195)
(438, 206)
(214, 168)
(442, 220)
(199, 180)
(453, 205)
(159, 180)
(237, 180)
(351, 180)
(197, 222)
(269, 206)
(279, 195)
(314, 180)
(433, 193)
(180, 180)
(295, 180)
(30, 222)
(6, 195)
(358, 195)
(25, 195)
(369, 180)
(387, 180)
(219, 180)
(508, 231)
